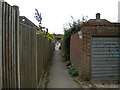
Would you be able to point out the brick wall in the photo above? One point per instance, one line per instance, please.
(80, 49)
(76, 51)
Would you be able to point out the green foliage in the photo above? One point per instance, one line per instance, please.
(69, 66)
(47, 35)
(68, 32)
(72, 71)
(68, 63)
(50, 36)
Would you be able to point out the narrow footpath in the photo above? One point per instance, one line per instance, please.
(59, 77)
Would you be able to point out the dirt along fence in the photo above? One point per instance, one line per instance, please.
(23, 53)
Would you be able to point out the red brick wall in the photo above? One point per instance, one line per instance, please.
(80, 49)
(76, 51)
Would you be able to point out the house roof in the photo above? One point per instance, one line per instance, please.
(100, 22)
(97, 21)
(26, 21)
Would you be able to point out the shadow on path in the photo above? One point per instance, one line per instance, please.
(59, 77)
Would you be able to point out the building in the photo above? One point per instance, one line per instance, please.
(24, 20)
(95, 50)
(119, 11)
(58, 37)
(58, 41)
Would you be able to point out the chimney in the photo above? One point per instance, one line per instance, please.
(98, 16)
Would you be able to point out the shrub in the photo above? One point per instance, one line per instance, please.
(69, 66)
(70, 29)
(68, 63)
(73, 72)
(71, 69)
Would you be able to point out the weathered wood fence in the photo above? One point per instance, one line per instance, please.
(23, 53)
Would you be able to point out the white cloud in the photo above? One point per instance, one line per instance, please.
(57, 12)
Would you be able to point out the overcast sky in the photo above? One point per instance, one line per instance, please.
(56, 13)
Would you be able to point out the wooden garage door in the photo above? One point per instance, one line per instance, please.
(105, 60)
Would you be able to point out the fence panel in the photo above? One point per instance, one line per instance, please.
(34, 55)
(27, 56)
(9, 26)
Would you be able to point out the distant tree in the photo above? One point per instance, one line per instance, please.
(38, 18)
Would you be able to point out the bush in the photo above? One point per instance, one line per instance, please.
(69, 66)
(68, 63)
(73, 72)
(70, 29)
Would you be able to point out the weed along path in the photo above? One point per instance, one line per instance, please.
(58, 76)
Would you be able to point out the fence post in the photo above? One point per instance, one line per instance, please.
(0, 44)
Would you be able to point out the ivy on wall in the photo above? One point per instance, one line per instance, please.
(68, 32)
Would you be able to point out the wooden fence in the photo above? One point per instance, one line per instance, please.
(0, 44)
(23, 53)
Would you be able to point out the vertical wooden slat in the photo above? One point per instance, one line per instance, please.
(14, 66)
(7, 45)
(16, 48)
(31, 57)
(24, 52)
(28, 56)
(22, 64)
(35, 57)
(20, 55)
(10, 46)
(26, 63)
(3, 29)
(1, 45)
(39, 69)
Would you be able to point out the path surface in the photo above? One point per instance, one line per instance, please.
(59, 77)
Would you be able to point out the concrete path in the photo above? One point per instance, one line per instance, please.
(59, 77)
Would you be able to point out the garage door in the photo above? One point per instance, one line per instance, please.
(105, 60)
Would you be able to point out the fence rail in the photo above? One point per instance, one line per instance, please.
(23, 53)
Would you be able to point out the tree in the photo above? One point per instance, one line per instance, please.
(69, 30)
